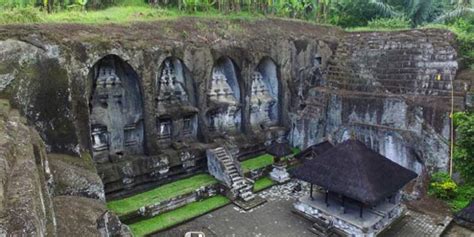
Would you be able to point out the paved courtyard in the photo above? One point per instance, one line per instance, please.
(274, 218)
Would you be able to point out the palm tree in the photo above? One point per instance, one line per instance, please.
(461, 8)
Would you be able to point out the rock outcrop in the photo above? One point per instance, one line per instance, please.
(46, 195)
(390, 89)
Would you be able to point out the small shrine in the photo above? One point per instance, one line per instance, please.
(354, 191)
(279, 149)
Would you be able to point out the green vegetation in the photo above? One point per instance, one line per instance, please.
(262, 183)
(177, 216)
(165, 192)
(261, 161)
(444, 188)
(257, 162)
(344, 13)
(464, 152)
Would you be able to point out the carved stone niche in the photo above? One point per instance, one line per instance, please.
(223, 96)
(188, 159)
(265, 96)
(175, 103)
(116, 114)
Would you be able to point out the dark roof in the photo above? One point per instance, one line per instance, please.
(355, 171)
(467, 214)
(315, 150)
(279, 149)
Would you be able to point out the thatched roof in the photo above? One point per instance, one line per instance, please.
(314, 150)
(466, 216)
(279, 149)
(355, 171)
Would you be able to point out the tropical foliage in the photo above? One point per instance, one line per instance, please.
(464, 152)
(345, 13)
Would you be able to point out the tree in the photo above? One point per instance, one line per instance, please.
(461, 8)
(464, 148)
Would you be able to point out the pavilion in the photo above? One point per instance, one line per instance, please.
(357, 190)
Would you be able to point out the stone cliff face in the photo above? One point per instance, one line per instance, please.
(391, 90)
(197, 87)
(47, 195)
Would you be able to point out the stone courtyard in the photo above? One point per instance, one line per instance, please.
(275, 218)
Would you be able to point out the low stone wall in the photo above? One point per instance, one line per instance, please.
(173, 203)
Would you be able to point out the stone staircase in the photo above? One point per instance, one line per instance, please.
(239, 185)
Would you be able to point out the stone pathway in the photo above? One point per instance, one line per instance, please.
(417, 224)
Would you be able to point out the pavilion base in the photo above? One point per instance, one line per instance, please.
(279, 173)
(348, 222)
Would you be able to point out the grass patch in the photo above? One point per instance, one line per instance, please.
(177, 216)
(126, 11)
(257, 162)
(262, 183)
(464, 195)
(120, 14)
(261, 161)
(165, 192)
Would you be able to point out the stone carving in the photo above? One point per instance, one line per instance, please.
(170, 89)
(116, 111)
(226, 115)
(176, 112)
(261, 101)
(264, 97)
(187, 159)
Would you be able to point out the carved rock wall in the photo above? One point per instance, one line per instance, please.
(382, 87)
(391, 90)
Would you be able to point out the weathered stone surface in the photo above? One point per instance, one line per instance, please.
(75, 176)
(25, 204)
(77, 216)
(29, 178)
(391, 89)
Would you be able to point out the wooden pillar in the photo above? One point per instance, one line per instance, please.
(311, 192)
(343, 204)
(326, 198)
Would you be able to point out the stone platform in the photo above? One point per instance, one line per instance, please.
(373, 221)
(248, 205)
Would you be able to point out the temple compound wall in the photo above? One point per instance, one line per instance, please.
(148, 105)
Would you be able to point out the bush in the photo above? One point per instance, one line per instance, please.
(389, 23)
(464, 29)
(464, 149)
(442, 186)
(20, 15)
(354, 13)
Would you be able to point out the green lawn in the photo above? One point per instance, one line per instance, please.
(165, 192)
(122, 14)
(262, 183)
(177, 216)
(257, 162)
(261, 161)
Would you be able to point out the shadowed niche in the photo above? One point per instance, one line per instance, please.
(175, 102)
(265, 97)
(223, 95)
(116, 110)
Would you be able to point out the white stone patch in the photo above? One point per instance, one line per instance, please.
(5, 80)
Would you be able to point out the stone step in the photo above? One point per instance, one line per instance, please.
(247, 196)
(233, 175)
(237, 179)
